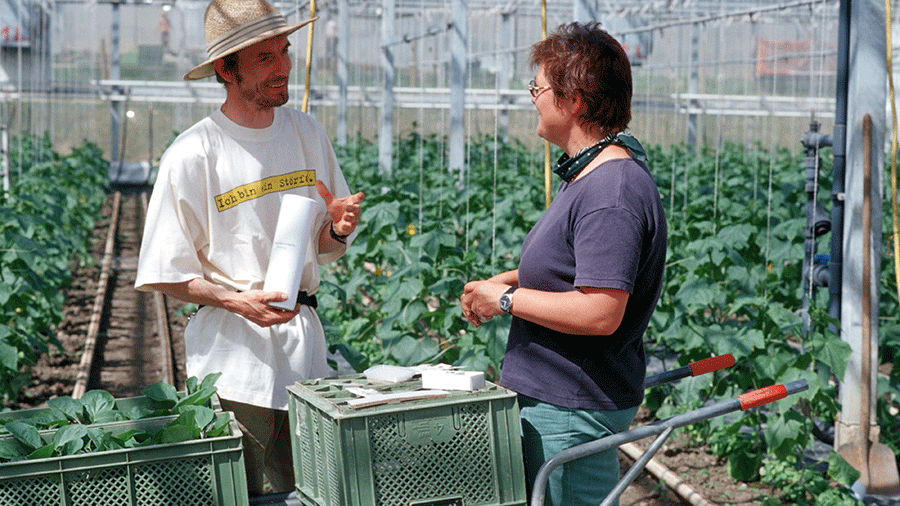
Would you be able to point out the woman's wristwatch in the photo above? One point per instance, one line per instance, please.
(506, 299)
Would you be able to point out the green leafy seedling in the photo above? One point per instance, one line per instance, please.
(219, 427)
(209, 380)
(50, 419)
(98, 406)
(162, 393)
(11, 450)
(191, 384)
(26, 434)
(174, 434)
(131, 438)
(44, 452)
(144, 411)
(69, 440)
(72, 408)
(198, 398)
(101, 440)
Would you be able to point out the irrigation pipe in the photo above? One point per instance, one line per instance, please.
(661, 472)
(90, 344)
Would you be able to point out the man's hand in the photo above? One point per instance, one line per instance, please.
(344, 212)
(254, 306)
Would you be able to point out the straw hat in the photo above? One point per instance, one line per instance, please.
(232, 25)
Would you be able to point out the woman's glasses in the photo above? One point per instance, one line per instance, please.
(536, 90)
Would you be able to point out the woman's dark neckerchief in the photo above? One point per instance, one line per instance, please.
(569, 167)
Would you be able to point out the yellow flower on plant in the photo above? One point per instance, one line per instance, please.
(411, 229)
(378, 271)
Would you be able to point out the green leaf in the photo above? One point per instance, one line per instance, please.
(200, 397)
(138, 412)
(381, 216)
(840, 470)
(9, 356)
(209, 381)
(10, 450)
(44, 452)
(131, 438)
(219, 427)
(174, 434)
(73, 408)
(25, 433)
(784, 432)
(50, 418)
(95, 403)
(833, 352)
(743, 465)
(200, 417)
(162, 393)
(411, 351)
(699, 294)
(101, 440)
(68, 440)
(191, 384)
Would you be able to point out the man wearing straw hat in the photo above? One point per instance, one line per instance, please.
(211, 222)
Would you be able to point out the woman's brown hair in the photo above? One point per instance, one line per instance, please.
(584, 60)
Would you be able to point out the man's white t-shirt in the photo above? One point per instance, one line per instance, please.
(212, 215)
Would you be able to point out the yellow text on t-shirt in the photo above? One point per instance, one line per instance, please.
(265, 186)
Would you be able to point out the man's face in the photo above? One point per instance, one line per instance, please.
(262, 73)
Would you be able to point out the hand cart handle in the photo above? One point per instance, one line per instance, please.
(693, 369)
(662, 429)
(762, 396)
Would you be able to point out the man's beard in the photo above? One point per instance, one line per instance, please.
(262, 100)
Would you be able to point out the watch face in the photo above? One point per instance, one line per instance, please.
(505, 302)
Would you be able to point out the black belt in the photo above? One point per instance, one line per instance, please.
(307, 300)
(302, 298)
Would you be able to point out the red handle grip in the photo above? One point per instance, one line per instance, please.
(711, 364)
(762, 396)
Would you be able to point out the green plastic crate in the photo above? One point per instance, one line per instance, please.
(461, 449)
(202, 472)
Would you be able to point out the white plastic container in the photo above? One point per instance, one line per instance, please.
(292, 236)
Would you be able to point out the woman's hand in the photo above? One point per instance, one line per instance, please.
(480, 300)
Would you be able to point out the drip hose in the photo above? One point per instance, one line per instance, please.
(894, 218)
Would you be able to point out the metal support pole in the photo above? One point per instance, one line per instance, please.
(507, 30)
(836, 266)
(115, 74)
(866, 96)
(386, 133)
(4, 156)
(458, 76)
(343, 43)
(693, 87)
